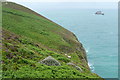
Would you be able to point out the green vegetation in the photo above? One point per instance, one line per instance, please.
(43, 71)
(29, 38)
(38, 29)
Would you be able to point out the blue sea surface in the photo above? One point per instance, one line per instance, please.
(97, 33)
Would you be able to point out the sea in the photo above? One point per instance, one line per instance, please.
(97, 33)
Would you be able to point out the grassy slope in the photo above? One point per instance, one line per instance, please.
(29, 37)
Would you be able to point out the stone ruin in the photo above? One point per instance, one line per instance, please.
(50, 61)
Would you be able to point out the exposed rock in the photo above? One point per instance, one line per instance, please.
(69, 56)
(77, 67)
(65, 54)
(50, 61)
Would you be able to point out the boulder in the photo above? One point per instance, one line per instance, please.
(77, 67)
(50, 61)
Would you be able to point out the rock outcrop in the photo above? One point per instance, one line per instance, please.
(75, 66)
(50, 61)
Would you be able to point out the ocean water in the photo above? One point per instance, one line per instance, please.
(97, 33)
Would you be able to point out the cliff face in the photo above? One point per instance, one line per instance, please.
(29, 38)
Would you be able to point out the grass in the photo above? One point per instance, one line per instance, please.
(43, 71)
(28, 38)
(22, 62)
(40, 30)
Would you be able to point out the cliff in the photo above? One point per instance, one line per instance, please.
(36, 47)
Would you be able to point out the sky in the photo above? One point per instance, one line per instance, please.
(98, 4)
(63, 0)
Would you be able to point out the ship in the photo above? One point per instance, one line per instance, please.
(99, 13)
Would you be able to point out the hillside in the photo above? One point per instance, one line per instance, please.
(28, 38)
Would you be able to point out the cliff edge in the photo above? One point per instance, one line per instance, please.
(36, 47)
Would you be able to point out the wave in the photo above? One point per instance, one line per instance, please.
(86, 51)
(92, 68)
